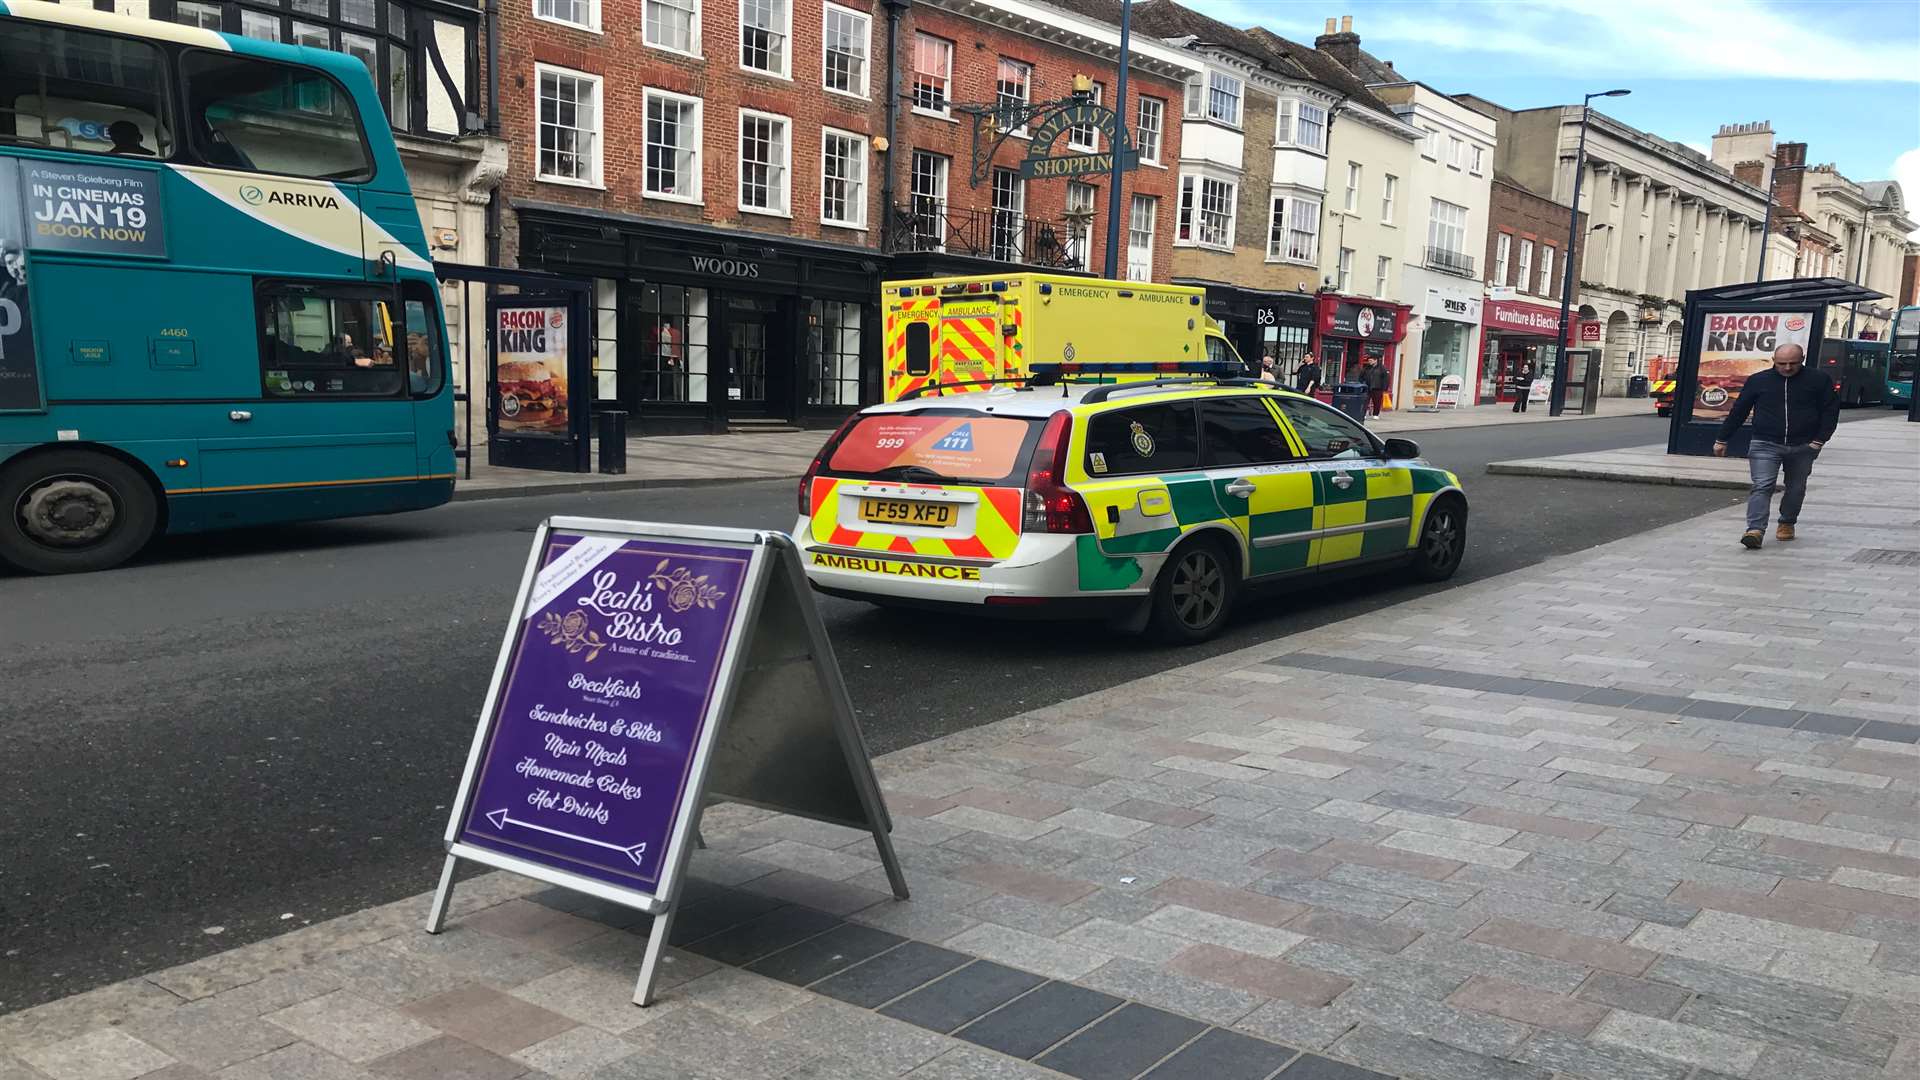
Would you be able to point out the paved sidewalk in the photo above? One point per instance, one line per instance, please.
(664, 461)
(1866, 449)
(1646, 812)
(1499, 415)
(694, 460)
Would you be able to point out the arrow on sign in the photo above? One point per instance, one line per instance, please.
(501, 821)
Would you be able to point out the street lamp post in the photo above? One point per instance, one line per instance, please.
(1118, 140)
(1557, 403)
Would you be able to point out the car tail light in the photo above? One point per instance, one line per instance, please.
(1051, 506)
(819, 459)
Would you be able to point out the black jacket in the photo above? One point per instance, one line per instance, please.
(1307, 377)
(1375, 376)
(1805, 408)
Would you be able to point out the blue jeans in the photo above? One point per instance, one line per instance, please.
(1765, 461)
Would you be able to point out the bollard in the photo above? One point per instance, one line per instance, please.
(613, 441)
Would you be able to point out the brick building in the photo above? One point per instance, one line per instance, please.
(1525, 272)
(948, 215)
(739, 176)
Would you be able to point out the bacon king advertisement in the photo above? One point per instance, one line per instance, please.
(607, 690)
(1736, 345)
(531, 343)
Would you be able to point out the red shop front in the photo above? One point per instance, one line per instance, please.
(1349, 329)
(1512, 333)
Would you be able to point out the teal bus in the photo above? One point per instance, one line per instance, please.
(1905, 345)
(1858, 369)
(217, 307)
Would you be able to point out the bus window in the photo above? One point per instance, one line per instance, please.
(275, 118)
(322, 341)
(73, 90)
(426, 358)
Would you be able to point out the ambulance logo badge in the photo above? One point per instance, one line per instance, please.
(1142, 442)
(1067, 353)
(959, 439)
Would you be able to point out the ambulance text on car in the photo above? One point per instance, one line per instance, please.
(1149, 501)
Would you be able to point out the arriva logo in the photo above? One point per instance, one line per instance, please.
(296, 198)
(252, 195)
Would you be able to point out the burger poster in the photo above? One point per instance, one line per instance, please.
(530, 376)
(1736, 345)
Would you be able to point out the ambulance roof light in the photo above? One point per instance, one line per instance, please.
(1046, 288)
(976, 286)
(926, 290)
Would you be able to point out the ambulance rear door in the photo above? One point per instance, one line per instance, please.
(970, 345)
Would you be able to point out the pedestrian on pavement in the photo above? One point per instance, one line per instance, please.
(1794, 414)
(1374, 375)
(1307, 379)
(1523, 386)
(1267, 372)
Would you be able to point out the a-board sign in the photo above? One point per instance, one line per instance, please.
(1449, 395)
(647, 667)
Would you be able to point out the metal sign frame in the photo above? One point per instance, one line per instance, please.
(994, 123)
(773, 584)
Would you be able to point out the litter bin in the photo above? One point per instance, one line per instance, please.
(1351, 398)
(1637, 386)
(613, 441)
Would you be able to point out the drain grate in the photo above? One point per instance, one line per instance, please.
(1886, 557)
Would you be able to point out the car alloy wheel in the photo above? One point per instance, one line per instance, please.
(1199, 588)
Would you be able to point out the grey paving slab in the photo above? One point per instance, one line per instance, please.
(1223, 1055)
(825, 954)
(1315, 1067)
(1123, 1045)
(1153, 984)
(968, 993)
(891, 974)
(1032, 1023)
(1415, 1055)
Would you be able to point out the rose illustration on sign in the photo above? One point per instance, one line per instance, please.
(571, 633)
(684, 591)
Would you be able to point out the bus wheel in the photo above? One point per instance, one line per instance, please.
(73, 511)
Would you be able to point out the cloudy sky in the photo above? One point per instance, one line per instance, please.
(1842, 76)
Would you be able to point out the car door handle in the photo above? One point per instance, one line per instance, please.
(1342, 480)
(1242, 488)
(239, 416)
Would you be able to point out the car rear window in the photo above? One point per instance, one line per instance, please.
(936, 446)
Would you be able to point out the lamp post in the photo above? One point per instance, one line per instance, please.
(1557, 403)
(1118, 140)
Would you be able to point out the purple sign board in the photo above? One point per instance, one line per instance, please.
(601, 713)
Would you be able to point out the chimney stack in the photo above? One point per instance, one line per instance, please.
(1343, 46)
(1753, 173)
(1331, 22)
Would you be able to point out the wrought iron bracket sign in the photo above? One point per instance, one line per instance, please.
(994, 124)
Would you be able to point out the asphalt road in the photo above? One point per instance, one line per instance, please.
(247, 732)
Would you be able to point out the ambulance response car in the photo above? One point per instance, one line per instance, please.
(1150, 502)
(973, 331)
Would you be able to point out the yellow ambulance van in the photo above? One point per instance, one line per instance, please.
(975, 331)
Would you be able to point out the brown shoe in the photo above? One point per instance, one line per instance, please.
(1784, 532)
(1751, 538)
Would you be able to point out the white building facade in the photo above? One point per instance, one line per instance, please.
(1446, 195)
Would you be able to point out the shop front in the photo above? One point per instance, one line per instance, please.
(1350, 330)
(699, 330)
(1448, 324)
(1514, 333)
(1262, 324)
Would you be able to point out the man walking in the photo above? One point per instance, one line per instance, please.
(1523, 386)
(1794, 414)
(1374, 375)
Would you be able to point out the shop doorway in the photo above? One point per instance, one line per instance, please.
(754, 330)
(1506, 374)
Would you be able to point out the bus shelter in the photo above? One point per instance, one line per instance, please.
(536, 361)
(1730, 333)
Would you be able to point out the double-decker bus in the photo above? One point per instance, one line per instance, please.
(216, 303)
(1858, 369)
(1905, 350)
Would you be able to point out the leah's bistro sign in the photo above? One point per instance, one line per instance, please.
(645, 669)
